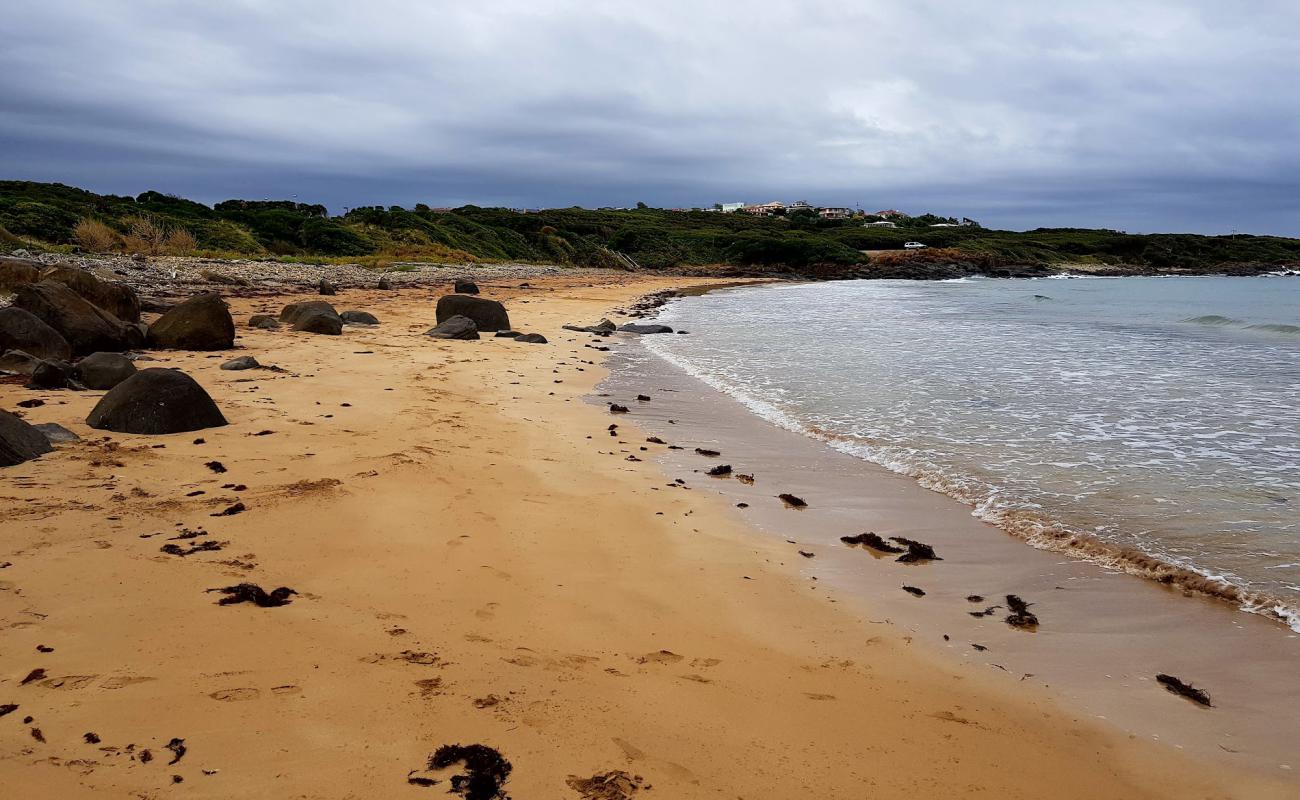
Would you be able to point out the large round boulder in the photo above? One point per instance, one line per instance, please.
(488, 315)
(202, 322)
(313, 316)
(53, 374)
(15, 272)
(155, 401)
(103, 370)
(20, 441)
(23, 330)
(86, 327)
(457, 327)
(466, 286)
(327, 288)
(117, 299)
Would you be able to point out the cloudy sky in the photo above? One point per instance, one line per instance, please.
(1134, 114)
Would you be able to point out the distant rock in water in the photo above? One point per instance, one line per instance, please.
(488, 315)
(202, 322)
(464, 286)
(103, 370)
(456, 327)
(19, 441)
(23, 330)
(634, 327)
(156, 401)
(359, 318)
(86, 327)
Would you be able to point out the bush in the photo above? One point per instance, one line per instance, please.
(145, 236)
(180, 242)
(96, 237)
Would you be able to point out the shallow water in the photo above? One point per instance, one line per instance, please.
(1106, 416)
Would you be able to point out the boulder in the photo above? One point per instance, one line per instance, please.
(52, 374)
(293, 312)
(384, 283)
(202, 322)
(359, 318)
(103, 370)
(87, 328)
(265, 322)
(156, 401)
(508, 334)
(604, 326)
(18, 362)
(20, 441)
(488, 315)
(117, 299)
(531, 338)
(15, 272)
(327, 288)
(320, 322)
(634, 327)
(55, 433)
(23, 330)
(464, 286)
(457, 327)
(243, 362)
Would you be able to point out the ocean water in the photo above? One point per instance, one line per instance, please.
(1152, 424)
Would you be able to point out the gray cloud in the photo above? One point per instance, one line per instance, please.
(1142, 115)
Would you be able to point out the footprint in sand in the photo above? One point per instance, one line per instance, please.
(236, 695)
(69, 682)
(286, 690)
(122, 681)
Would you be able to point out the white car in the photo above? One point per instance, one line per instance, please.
(913, 246)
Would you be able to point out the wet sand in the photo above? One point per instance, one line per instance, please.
(476, 561)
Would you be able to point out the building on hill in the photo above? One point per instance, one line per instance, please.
(799, 205)
(771, 209)
(891, 214)
(835, 213)
(731, 208)
(882, 223)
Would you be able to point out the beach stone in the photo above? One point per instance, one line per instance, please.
(15, 272)
(53, 374)
(327, 288)
(464, 286)
(359, 318)
(103, 370)
(86, 327)
(320, 322)
(508, 334)
(242, 362)
(488, 315)
(23, 330)
(384, 283)
(18, 362)
(202, 322)
(634, 327)
(55, 433)
(294, 312)
(531, 338)
(265, 322)
(156, 401)
(20, 441)
(604, 326)
(117, 299)
(456, 327)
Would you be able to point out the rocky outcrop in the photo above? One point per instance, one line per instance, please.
(117, 299)
(103, 370)
(488, 315)
(156, 401)
(50, 373)
(359, 318)
(454, 328)
(202, 322)
(23, 330)
(86, 327)
(15, 272)
(18, 362)
(19, 441)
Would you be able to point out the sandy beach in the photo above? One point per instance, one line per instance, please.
(477, 560)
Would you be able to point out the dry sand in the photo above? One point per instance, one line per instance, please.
(476, 562)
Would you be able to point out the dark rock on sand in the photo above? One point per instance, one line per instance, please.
(51, 373)
(644, 328)
(15, 272)
(294, 312)
(508, 334)
(156, 401)
(240, 363)
(324, 324)
(264, 322)
(615, 408)
(914, 591)
(252, 593)
(327, 288)
(720, 471)
(202, 322)
(604, 326)
(56, 433)
(103, 370)
(117, 299)
(791, 501)
(359, 318)
(464, 286)
(531, 338)
(707, 453)
(86, 327)
(18, 362)
(456, 327)
(23, 330)
(20, 441)
(488, 315)
(313, 316)
(384, 283)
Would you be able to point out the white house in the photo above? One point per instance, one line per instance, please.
(731, 208)
(884, 223)
(835, 213)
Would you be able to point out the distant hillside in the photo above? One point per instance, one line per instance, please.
(55, 216)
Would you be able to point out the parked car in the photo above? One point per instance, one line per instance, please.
(913, 245)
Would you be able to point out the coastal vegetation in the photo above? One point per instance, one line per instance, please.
(57, 217)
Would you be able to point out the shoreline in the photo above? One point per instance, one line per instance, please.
(692, 411)
(477, 560)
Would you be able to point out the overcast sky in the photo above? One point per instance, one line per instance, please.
(1134, 114)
